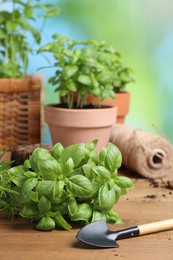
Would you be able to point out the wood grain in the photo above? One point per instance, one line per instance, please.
(143, 204)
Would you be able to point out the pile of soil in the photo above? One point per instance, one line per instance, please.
(166, 182)
(22, 152)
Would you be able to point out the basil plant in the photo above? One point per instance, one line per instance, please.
(86, 67)
(17, 22)
(66, 185)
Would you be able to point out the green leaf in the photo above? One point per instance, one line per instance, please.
(84, 80)
(27, 164)
(75, 56)
(58, 189)
(92, 145)
(29, 210)
(30, 174)
(124, 182)
(71, 85)
(72, 206)
(80, 186)
(28, 185)
(76, 152)
(46, 223)
(113, 158)
(50, 169)
(57, 150)
(68, 167)
(98, 215)
(102, 172)
(112, 217)
(84, 212)
(33, 196)
(106, 197)
(102, 155)
(69, 71)
(46, 188)
(44, 205)
(88, 171)
(50, 189)
(61, 222)
(37, 155)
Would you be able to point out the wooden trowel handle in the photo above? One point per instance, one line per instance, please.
(155, 227)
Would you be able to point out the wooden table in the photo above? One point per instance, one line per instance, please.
(143, 204)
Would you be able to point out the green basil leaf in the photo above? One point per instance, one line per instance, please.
(72, 206)
(106, 197)
(84, 80)
(124, 182)
(29, 210)
(94, 156)
(50, 189)
(112, 217)
(61, 198)
(76, 152)
(92, 145)
(30, 174)
(57, 189)
(60, 207)
(75, 56)
(102, 155)
(69, 71)
(27, 164)
(89, 173)
(68, 167)
(37, 155)
(84, 212)
(44, 205)
(19, 180)
(33, 195)
(45, 188)
(80, 186)
(71, 85)
(28, 185)
(61, 222)
(50, 169)
(102, 172)
(46, 223)
(17, 171)
(57, 150)
(98, 215)
(113, 158)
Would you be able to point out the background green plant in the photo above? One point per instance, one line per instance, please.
(86, 67)
(15, 24)
(66, 185)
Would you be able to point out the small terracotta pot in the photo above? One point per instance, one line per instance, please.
(121, 101)
(70, 126)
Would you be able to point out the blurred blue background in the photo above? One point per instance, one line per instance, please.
(142, 31)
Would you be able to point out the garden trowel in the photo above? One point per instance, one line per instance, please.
(98, 234)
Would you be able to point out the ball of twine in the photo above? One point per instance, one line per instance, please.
(148, 154)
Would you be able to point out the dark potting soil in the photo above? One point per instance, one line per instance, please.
(87, 106)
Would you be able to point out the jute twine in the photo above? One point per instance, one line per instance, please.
(148, 154)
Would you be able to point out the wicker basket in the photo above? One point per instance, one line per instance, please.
(20, 111)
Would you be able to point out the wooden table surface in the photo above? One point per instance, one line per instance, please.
(144, 204)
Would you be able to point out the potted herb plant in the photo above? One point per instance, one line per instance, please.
(81, 68)
(19, 91)
(122, 76)
(57, 188)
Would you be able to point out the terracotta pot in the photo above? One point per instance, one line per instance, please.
(70, 126)
(121, 101)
